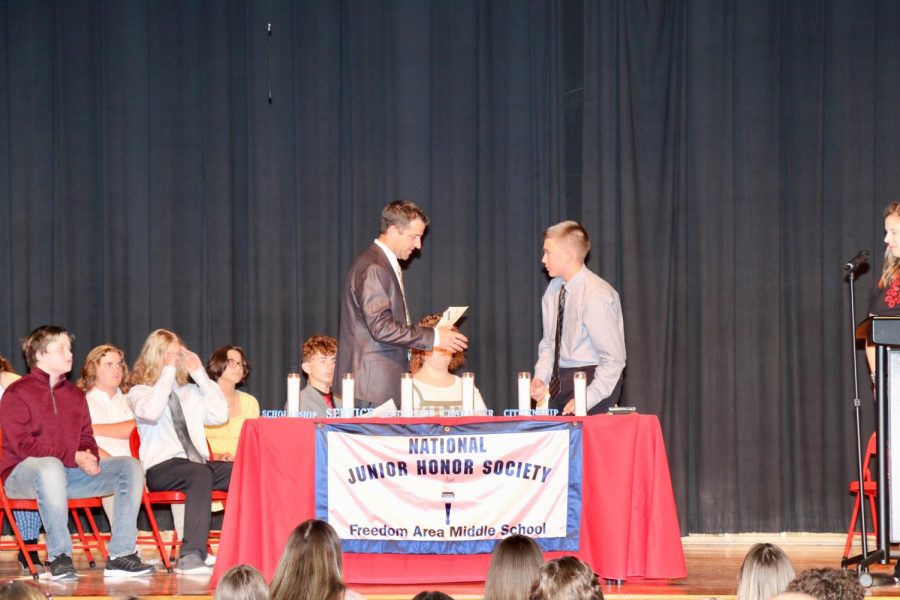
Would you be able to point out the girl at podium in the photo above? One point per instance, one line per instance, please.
(884, 300)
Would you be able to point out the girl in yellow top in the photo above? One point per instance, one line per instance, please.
(228, 366)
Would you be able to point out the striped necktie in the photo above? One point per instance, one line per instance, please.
(181, 430)
(560, 313)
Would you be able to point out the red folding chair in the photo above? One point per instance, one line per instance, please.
(84, 541)
(870, 489)
(166, 497)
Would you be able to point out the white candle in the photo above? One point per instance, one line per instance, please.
(406, 394)
(524, 389)
(347, 395)
(468, 391)
(580, 395)
(293, 394)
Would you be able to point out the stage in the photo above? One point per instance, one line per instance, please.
(712, 562)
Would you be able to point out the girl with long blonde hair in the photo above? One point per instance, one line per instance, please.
(171, 414)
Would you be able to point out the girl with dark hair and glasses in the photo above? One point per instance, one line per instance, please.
(228, 366)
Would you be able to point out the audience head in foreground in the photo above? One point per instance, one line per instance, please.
(18, 590)
(828, 584)
(311, 567)
(435, 595)
(514, 566)
(566, 578)
(242, 582)
(766, 571)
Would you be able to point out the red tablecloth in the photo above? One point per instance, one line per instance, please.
(629, 525)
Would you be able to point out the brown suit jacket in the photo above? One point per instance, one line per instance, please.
(374, 336)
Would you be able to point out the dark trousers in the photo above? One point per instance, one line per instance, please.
(197, 481)
(567, 390)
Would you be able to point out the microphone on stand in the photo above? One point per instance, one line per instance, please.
(861, 258)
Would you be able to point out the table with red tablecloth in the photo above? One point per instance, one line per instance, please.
(629, 524)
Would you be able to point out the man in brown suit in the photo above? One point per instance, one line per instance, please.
(376, 331)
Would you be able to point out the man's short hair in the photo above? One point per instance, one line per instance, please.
(828, 584)
(39, 339)
(318, 345)
(400, 214)
(572, 234)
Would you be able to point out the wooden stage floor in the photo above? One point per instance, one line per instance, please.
(712, 563)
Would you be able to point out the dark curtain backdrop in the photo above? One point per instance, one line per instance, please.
(725, 156)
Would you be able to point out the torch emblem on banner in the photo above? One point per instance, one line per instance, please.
(448, 498)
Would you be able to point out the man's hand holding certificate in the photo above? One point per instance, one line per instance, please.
(448, 338)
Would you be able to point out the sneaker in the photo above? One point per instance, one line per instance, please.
(210, 560)
(127, 566)
(61, 568)
(192, 564)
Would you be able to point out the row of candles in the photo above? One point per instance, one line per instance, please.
(523, 388)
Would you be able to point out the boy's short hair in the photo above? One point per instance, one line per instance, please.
(318, 345)
(39, 339)
(572, 234)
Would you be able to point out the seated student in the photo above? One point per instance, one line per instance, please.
(434, 384)
(765, 572)
(311, 567)
(170, 415)
(49, 453)
(228, 366)
(242, 582)
(317, 359)
(102, 375)
(828, 584)
(104, 370)
(566, 577)
(28, 521)
(515, 563)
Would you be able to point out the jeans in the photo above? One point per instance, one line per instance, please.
(51, 483)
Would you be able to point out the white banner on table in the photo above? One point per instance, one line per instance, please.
(427, 488)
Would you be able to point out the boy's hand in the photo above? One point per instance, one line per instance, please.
(192, 362)
(174, 357)
(87, 462)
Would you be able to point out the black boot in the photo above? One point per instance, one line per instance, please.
(35, 559)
